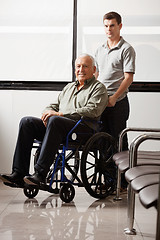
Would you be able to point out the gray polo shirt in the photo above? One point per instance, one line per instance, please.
(88, 102)
(113, 63)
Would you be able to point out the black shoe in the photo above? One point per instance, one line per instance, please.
(14, 177)
(35, 179)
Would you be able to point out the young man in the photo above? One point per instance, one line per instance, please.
(115, 68)
(85, 98)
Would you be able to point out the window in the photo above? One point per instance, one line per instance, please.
(36, 40)
(141, 28)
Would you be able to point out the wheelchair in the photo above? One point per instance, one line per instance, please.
(78, 162)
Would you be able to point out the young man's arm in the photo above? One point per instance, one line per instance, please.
(128, 79)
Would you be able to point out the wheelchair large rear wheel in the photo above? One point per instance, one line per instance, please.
(98, 171)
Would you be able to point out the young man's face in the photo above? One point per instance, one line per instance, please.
(112, 29)
(84, 69)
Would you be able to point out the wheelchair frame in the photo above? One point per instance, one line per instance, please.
(98, 173)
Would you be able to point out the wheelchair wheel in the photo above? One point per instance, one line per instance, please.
(67, 192)
(98, 172)
(30, 191)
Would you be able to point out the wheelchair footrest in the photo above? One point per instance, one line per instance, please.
(80, 184)
(47, 188)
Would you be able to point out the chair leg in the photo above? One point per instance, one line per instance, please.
(158, 228)
(158, 217)
(131, 209)
(118, 187)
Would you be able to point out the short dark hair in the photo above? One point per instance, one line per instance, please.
(112, 15)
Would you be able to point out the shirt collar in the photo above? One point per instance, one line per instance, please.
(119, 44)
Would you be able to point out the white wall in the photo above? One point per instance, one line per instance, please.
(14, 105)
(145, 112)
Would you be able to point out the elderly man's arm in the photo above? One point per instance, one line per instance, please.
(51, 110)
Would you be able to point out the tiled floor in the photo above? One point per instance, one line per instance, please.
(47, 218)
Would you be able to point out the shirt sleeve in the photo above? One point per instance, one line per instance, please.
(55, 106)
(129, 60)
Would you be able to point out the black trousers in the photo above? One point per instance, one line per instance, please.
(52, 136)
(114, 120)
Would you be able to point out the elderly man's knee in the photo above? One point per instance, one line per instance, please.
(30, 122)
(25, 120)
(55, 121)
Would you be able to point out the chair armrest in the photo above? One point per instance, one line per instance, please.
(134, 129)
(136, 143)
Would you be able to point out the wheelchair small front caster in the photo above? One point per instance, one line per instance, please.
(30, 191)
(67, 192)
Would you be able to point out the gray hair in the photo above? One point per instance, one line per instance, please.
(88, 55)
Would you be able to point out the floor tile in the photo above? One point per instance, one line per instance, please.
(46, 217)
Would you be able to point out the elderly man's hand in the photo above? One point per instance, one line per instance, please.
(47, 114)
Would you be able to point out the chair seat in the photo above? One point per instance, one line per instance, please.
(120, 155)
(124, 156)
(138, 171)
(120, 160)
(123, 166)
(143, 181)
(149, 196)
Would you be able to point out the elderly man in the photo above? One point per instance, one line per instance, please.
(85, 98)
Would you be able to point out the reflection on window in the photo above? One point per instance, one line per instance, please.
(36, 40)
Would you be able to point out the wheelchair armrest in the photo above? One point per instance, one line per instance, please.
(134, 129)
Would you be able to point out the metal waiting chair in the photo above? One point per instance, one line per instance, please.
(122, 158)
(139, 177)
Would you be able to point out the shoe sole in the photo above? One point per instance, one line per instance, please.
(29, 182)
(9, 183)
(14, 185)
(5, 180)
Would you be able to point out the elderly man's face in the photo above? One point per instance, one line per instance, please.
(84, 68)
